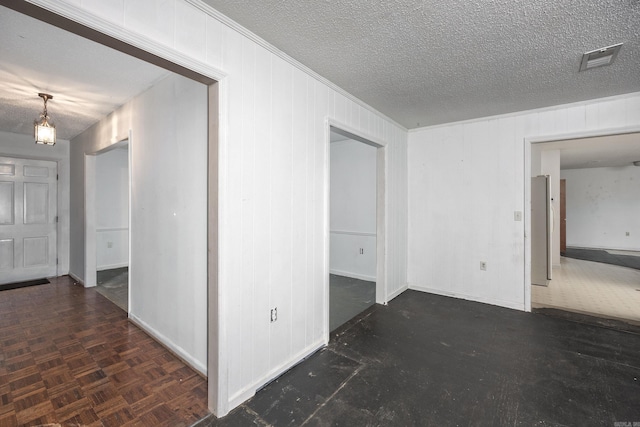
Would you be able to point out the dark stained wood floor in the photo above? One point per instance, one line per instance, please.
(430, 360)
(69, 356)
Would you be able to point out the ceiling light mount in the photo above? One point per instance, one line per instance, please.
(600, 57)
(43, 128)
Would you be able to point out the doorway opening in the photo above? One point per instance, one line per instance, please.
(594, 194)
(356, 216)
(107, 213)
(130, 43)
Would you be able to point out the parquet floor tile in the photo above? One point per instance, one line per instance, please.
(70, 357)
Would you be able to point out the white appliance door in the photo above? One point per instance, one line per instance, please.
(550, 230)
(28, 204)
(540, 231)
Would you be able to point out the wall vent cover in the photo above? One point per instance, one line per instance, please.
(600, 57)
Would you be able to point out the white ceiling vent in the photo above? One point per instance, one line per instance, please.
(600, 57)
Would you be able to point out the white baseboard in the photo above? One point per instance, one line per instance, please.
(491, 301)
(249, 391)
(112, 266)
(397, 292)
(76, 278)
(353, 275)
(166, 342)
(601, 248)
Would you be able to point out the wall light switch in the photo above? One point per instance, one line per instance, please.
(517, 216)
(483, 265)
(109, 244)
(627, 233)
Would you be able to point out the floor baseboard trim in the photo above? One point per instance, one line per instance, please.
(397, 292)
(112, 266)
(490, 301)
(352, 275)
(166, 343)
(249, 391)
(600, 248)
(76, 278)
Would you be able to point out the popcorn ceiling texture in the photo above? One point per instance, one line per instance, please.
(430, 62)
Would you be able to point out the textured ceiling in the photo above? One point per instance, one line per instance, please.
(87, 80)
(425, 62)
(597, 152)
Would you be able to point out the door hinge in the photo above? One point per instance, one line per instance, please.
(56, 261)
(57, 177)
(56, 218)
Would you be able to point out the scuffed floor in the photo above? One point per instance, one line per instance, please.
(430, 360)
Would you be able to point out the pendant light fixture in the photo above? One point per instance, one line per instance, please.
(44, 129)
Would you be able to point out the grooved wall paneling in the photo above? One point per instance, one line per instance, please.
(273, 180)
(466, 182)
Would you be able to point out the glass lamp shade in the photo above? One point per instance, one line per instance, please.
(45, 131)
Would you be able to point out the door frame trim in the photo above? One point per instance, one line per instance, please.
(381, 212)
(541, 139)
(76, 20)
(90, 213)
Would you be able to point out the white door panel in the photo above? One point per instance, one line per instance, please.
(6, 202)
(7, 169)
(36, 203)
(28, 200)
(6, 255)
(36, 171)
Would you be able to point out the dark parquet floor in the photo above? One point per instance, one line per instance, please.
(70, 357)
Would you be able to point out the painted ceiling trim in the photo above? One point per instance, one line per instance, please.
(225, 20)
(542, 138)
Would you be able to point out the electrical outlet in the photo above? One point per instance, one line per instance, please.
(361, 251)
(483, 265)
(274, 314)
(109, 244)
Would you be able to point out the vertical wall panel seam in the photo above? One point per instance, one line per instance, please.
(239, 196)
(314, 209)
(270, 198)
(253, 205)
(291, 205)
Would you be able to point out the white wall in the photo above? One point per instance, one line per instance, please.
(273, 185)
(168, 273)
(603, 204)
(112, 209)
(15, 145)
(353, 209)
(466, 180)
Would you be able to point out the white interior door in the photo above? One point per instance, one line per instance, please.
(28, 203)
